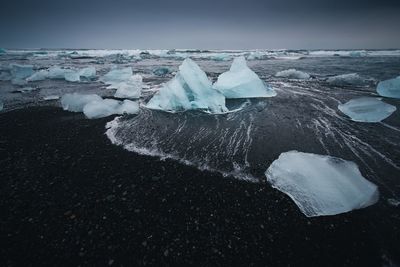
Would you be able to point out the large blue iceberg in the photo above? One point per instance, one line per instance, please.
(189, 89)
(389, 88)
(321, 185)
(241, 82)
(367, 109)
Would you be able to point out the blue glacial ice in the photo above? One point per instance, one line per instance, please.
(367, 109)
(293, 74)
(70, 75)
(389, 88)
(19, 73)
(347, 79)
(189, 89)
(127, 84)
(241, 82)
(75, 102)
(321, 185)
(107, 107)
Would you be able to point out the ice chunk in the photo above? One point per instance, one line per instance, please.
(75, 102)
(127, 84)
(70, 75)
(131, 88)
(321, 185)
(106, 107)
(27, 89)
(2, 51)
(189, 89)
(367, 109)
(88, 73)
(116, 76)
(241, 82)
(389, 88)
(38, 76)
(293, 74)
(161, 71)
(347, 79)
(51, 97)
(19, 73)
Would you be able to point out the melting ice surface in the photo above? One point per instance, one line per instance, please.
(367, 109)
(106, 107)
(242, 82)
(127, 84)
(75, 102)
(389, 88)
(347, 79)
(321, 185)
(190, 89)
(69, 75)
(293, 74)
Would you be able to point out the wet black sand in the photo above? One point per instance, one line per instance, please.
(69, 197)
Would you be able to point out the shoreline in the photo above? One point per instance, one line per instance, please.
(70, 197)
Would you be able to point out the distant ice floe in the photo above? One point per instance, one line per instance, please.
(241, 82)
(389, 88)
(69, 75)
(367, 109)
(189, 89)
(93, 106)
(347, 79)
(321, 185)
(127, 84)
(293, 74)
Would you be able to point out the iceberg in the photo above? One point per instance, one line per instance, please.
(75, 102)
(367, 109)
(189, 89)
(241, 82)
(389, 88)
(293, 74)
(107, 107)
(321, 185)
(127, 84)
(347, 79)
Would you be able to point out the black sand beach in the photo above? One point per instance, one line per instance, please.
(68, 197)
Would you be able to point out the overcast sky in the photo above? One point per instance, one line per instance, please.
(205, 24)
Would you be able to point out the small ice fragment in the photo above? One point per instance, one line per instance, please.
(347, 79)
(51, 97)
(321, 185)
(189, 89)
(20, 72)
(75, 102)
(241, 82)
(293, 74)
(27, 89)
(389, 88)
(71, 76)
(106, 107)
(392, 201)
(367, 109)
(88, 73)
(38, 76)
(161, 71)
